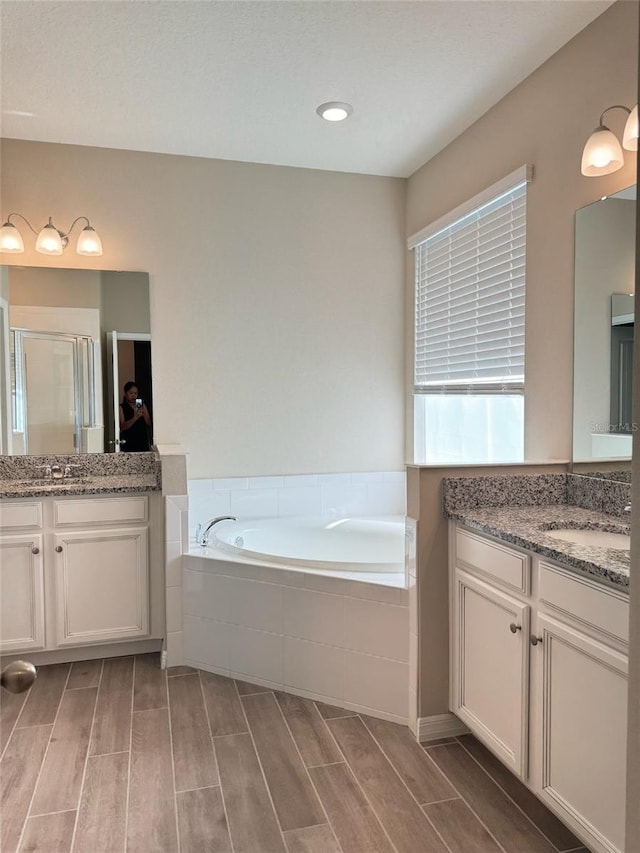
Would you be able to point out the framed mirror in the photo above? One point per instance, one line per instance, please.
(69, 342)
(603, 425)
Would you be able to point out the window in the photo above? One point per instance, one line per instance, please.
(469, 329)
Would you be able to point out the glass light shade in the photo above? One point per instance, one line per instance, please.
(630, 135)
(49, 241)
(10, 239)
(88, 242)
(602, 154)
(334, 110)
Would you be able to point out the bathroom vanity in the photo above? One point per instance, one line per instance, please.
(539, 652)
(81, 563)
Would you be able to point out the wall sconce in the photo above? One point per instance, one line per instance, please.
(603, 154)
(50, 240)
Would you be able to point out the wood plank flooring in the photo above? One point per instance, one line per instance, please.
(117, 755)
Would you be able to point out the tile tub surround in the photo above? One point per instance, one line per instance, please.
(337, 641)
(93, 473)
(324, 495)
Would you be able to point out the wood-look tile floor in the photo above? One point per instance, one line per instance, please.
(117, 755)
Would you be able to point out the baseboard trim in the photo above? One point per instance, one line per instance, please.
(439, 726)
(77, 653)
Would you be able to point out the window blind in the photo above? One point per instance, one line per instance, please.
(470, 300)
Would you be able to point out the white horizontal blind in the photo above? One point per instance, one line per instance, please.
(470, 300)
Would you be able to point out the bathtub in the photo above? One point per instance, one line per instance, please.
(346, 544)
(313, 606)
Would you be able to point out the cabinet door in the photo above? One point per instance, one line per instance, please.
(101, 585)
(582, 715)
(21, 594)
(490, 668)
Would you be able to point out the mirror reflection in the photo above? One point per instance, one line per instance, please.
(603, 336)
(69, 342)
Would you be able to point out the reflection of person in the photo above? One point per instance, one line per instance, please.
(134, 421)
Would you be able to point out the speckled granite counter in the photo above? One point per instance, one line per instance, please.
(91, 474)
(516, 510)
(86, 486)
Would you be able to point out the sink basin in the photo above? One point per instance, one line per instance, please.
(593, 538)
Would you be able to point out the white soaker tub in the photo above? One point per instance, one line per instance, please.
(374, 544)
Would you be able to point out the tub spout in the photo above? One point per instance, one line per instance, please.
(202, 535)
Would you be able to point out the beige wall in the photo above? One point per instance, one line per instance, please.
(58, 288)
(544, 121)
(276, 298)
(125, 302)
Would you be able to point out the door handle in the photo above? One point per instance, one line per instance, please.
(35, 550)
(59, 549)
(513, 627)
(18, 676)
(536, 640)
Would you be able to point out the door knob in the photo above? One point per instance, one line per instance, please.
(59, 548)
(35, 550)
(513, 627)
(536, 640)
(18, 676)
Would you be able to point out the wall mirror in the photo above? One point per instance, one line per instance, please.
(603, 425)
(69, 341)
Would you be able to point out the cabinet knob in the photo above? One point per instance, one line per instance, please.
(35, 550)
(536, 640)
(513, 627)
(59, 549)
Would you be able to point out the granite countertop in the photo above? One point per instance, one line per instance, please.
(522, 526)
(90, 485)
(88, 474)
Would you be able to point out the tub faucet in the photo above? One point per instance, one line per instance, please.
(202, 535)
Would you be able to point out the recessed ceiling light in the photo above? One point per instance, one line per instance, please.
(334, 111)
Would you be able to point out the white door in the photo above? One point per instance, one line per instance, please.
(101, 585)
(490, 668)
(581, 726)
(21, 594)
(112, 413)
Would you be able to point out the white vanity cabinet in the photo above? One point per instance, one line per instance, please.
(492, 672)
(74, 571)
(539, 675)
(21, 593)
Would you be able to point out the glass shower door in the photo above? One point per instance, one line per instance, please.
(47, 392)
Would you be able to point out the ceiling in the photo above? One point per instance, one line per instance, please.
(241, 79)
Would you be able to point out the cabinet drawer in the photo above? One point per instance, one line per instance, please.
(593, 604)
(501, 563)
(18, 515)
(100, 511)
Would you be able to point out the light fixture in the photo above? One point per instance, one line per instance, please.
(334, 111)
(50, 240)
(602, 154)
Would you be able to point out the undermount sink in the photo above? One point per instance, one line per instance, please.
(605, 536)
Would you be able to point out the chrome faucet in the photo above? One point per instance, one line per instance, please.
(56, 472)
(202, 536)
